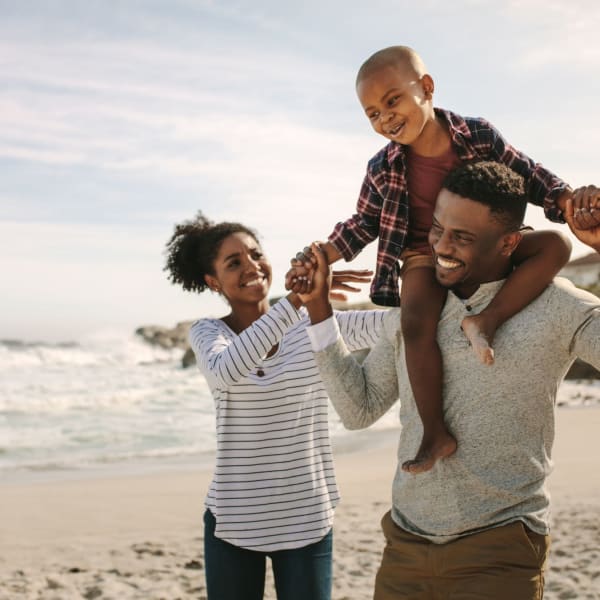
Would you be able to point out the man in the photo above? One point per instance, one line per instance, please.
(476, 525)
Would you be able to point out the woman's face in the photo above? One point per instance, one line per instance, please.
(242, 273)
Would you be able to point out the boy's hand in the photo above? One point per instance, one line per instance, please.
(586, 208)
(589, 235)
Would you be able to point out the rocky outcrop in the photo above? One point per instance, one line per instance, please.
(165, 337)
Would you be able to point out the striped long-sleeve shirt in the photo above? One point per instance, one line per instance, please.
(274, 485)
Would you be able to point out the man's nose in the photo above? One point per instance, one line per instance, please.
(442, 244)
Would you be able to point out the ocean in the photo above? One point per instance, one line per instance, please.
(113, 402)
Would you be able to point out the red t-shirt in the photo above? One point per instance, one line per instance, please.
(424, 176)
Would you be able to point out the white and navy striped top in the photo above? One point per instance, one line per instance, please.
(274, 486)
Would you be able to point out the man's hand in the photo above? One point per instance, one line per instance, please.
(590, 234)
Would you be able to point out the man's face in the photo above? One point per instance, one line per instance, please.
(394, 100)
(469, 246)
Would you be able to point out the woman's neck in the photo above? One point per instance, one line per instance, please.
(241, 317)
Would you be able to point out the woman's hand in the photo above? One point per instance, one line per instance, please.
(340, 280)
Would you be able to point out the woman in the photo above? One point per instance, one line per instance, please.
(273, 492)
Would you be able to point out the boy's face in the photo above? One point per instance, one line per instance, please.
(397, 102)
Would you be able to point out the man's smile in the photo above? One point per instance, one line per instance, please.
(448, 263)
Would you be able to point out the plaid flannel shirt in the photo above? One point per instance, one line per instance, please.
(383, 205)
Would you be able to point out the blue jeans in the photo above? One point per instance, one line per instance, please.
(234, 573)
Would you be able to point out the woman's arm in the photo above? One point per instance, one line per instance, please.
(225, 360)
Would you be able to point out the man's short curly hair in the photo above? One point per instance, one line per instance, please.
(494, 185)
(193, 247)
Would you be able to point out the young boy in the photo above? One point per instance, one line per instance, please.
(396, 204)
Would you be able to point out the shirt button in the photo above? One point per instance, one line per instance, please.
(468, 307)
(260, 373)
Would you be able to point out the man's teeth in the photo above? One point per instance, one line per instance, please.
(447, 264)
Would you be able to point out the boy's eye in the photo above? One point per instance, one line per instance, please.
(373, 116)
(393, 100)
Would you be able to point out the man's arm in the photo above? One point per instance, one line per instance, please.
(360, 393)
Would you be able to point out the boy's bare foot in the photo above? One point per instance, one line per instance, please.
(480, 334)
(430, 451)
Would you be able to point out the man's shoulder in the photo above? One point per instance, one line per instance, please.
(563, 290)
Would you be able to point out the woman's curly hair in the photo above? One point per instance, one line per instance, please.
(193, 247)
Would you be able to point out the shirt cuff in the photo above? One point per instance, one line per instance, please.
(323, 334)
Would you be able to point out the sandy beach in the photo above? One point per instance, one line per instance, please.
(140, 536)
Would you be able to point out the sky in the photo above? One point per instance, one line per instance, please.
(119, 119)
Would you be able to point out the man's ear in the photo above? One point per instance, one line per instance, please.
(509, 242)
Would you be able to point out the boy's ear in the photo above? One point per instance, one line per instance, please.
(509, 242)
(428, 86)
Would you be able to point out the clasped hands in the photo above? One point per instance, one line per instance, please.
(310, 275)
(582, 214)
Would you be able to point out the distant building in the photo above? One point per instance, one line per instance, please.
(583, 271)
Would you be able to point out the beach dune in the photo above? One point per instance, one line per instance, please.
(140, 536)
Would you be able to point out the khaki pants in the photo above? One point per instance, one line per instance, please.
(503, 563)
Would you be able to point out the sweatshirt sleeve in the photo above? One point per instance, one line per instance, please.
(361, 393)
(224, 359)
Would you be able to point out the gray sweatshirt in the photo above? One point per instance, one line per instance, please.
(502, 415)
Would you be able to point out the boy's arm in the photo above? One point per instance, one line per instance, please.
(538, 258)
(349, 237)
(542, 187)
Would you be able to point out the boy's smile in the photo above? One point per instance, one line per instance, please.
(398, 104)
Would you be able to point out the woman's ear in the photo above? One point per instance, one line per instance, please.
(212, 283)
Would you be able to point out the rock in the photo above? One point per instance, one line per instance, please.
(188, 359)
(582, 370)
(175, 337)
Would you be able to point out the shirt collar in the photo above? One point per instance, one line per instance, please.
(479, 300)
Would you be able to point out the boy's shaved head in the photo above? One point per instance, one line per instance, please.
(401, 56)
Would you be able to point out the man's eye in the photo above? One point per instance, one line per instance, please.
(463, 240)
